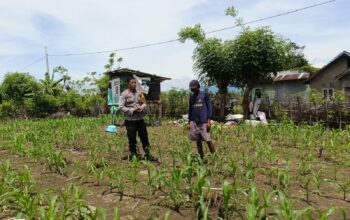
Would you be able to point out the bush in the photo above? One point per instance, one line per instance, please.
(8, 109)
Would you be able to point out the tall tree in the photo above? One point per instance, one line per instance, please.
(258, 56)
(212, 58)
(253, 57)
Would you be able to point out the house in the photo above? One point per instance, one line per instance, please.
(333, 77)
(285, 85)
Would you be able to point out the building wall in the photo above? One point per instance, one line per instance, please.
(325, 79)
(345, 81)
(283, 91)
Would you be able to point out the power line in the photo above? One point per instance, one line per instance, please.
(209, 32)
(34, 62)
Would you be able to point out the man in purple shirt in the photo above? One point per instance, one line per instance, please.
(199, 114)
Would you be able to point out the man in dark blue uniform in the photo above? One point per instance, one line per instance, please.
(199, 114)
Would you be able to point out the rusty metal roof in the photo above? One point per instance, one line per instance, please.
(291, 76)
(129, 72)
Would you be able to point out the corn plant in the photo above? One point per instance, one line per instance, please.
(283, 178)
(317, 179)
(175, 189)
(135, 165)
(343, 213)
(99, 174)
(324, 215)
(152, 179)
(27, 203)
(286, 211)
(57, 163)
(344, 187)
(304, 168)
(233, 170)
(116, 214)
(305, 184)
(271, 172)
(202, 210)
(167, 215)
(226, 192)
(51, 212)
(255, 210)
(95, 160)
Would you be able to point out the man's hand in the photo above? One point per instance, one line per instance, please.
(188, 126)
(138, 110)
(208, 124)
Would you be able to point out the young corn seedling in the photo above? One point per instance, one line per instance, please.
(51, 213)
(135, 165)
(116, 214)
(305, 184)
(344, 187)
(57, 163)
(283, 178)
(151, 181)
(99, 174)
(202, 211)
(249, 165)
(226, 192)
(96, 161)
(335, 172)
(233, 170)
(343, 213)
(304, 168)
(175, 189)
(286, 211)
(27, 203)
(324, 215)
(271, 172)
(255, 210)
(317, 179)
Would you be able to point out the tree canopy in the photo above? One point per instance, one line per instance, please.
(251, 58)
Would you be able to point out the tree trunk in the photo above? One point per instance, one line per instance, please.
(222, 99)
(245, 103)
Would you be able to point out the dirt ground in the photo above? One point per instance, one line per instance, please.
(143, 205)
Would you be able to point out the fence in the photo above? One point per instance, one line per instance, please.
(328, 112)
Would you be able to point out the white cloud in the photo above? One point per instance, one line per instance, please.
(92, 25)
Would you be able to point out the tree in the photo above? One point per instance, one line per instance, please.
(212, 58)
(258, 55)
(18, 86)
(52, 86)
(252, 58)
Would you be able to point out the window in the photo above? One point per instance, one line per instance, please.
(347, 91)
(257, 93)
(328, 93)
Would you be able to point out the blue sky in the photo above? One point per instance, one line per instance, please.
(69, 26)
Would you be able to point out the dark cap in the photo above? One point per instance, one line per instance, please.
(194, 84)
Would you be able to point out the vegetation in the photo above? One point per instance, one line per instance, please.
(253, 57)
(71, 169)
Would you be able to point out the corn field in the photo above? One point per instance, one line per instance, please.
(72, 169)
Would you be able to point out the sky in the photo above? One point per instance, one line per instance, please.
(76, 26)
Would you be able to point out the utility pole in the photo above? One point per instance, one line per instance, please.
(47, 61)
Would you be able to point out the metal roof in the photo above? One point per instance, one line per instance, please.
(130, 72)
(291, 76)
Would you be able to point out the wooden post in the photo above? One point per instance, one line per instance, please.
(326, 110)
(159, 110)
(299, 109)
